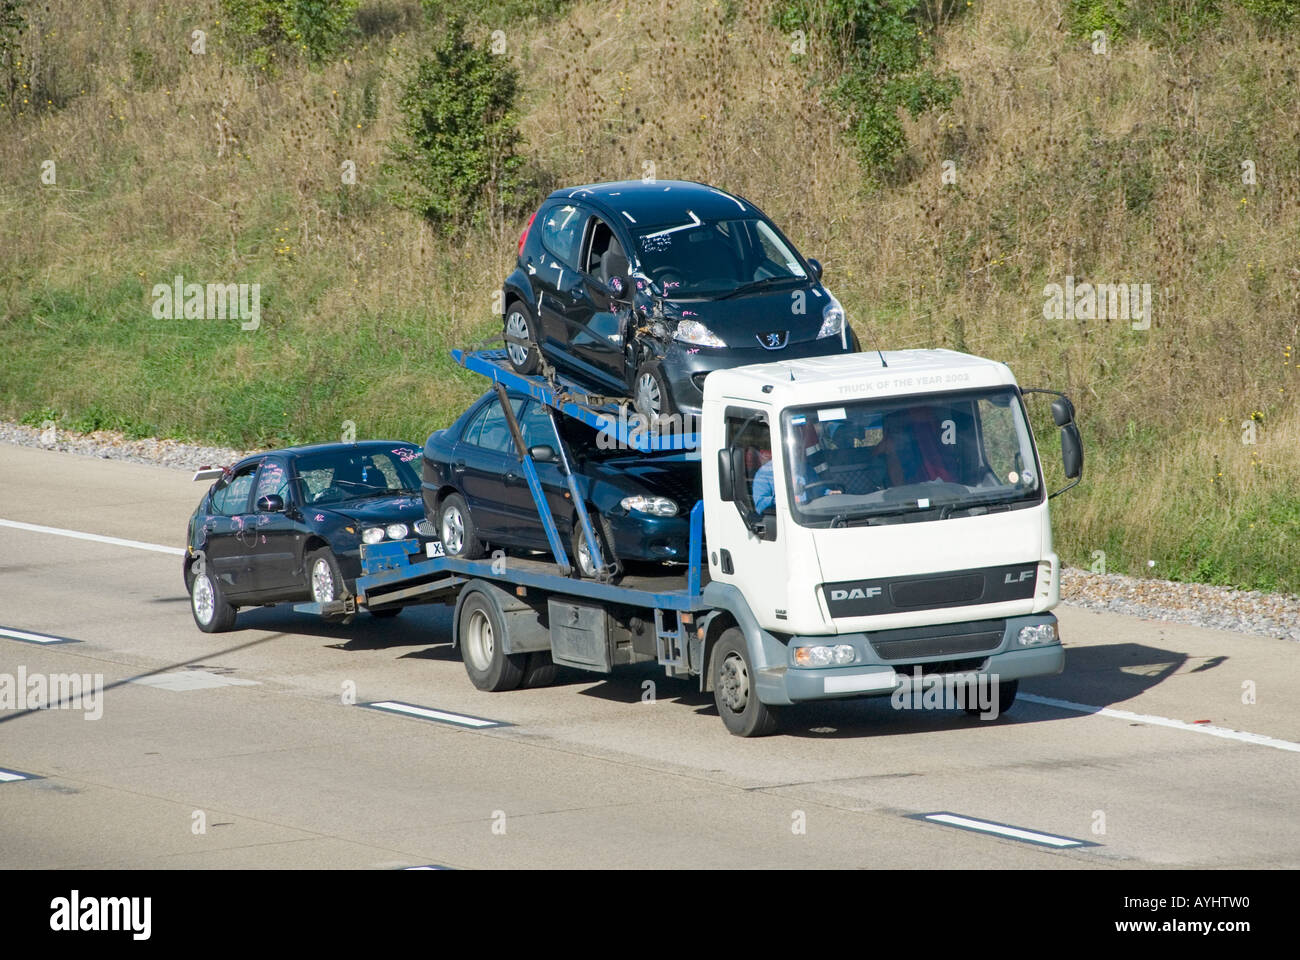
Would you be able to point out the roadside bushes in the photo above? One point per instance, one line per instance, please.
(273, 31)
(880, 49)
(454, 160)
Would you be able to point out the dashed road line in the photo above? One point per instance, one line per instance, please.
(98, 538)
(1206, 728)
(12, 776)
(26, 636)
(1006, 830)
(438, 716)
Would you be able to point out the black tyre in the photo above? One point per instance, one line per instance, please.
(539, 671)
(1007, 690)
(651, 394)
(456, 529)
(325, 582)
(521, 339)
(212, 612)
(583, 562)
(734, 691)
(480, 633)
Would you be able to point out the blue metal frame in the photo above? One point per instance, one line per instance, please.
(572, 400)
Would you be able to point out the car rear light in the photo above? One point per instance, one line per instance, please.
(523, 237)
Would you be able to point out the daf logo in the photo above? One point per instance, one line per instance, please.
(774, 340)
(857, 593)
(1021, 578)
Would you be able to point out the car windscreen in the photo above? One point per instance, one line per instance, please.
(347, 474)
(710, 258)
(918, 457)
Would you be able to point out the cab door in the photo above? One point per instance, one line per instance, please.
(756, 562)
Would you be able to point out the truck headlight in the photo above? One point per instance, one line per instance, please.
(692, 331)
(396, 531)
(832, 320)
(655, 506)
(1036, 634)
(824, 656)
(372, 534)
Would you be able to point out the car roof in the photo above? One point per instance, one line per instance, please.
(362, 445)
(640, 204)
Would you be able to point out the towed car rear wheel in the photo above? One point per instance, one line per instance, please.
(521, 345)
(212, 613)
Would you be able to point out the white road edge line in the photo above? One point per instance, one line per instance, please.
(1256, 738)
(8, 776)
(79, 535)
(13, 634)
(984, 826)
(392, 706)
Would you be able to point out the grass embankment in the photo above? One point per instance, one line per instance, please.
(1123, 168)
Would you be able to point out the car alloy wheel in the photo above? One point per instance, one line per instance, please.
(585, 563)
(204, 599)
(322, 582)
(453, 531)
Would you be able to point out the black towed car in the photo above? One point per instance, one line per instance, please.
(641, 289)
(477, 497)
(287, 526)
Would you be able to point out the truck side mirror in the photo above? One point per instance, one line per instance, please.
(1062, 412)
(1071, 450)
(726, 488)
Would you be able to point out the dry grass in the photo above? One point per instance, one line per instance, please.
(1112, 169)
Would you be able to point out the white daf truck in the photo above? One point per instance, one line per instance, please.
(870, 523)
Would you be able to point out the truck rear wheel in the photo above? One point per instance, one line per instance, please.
(481, 633)
(734, 690)
(540, 671)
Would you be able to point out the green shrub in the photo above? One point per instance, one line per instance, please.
(272, 31)
(454, 159)
(1275, 12)
(880, 48)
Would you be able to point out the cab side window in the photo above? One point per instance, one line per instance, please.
(231, 499)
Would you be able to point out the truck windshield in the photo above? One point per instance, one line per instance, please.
(710, 258)
(910, 458)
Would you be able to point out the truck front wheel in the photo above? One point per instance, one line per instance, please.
(480, 633)
(734, 691)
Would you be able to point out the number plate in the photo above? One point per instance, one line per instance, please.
(434, 549)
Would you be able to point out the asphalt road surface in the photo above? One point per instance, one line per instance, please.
(240, 750)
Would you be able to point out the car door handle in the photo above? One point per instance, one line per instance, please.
(458, 466)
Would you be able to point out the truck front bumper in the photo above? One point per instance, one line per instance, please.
(1011, 661)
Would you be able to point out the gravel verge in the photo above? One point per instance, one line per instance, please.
(1198, 604)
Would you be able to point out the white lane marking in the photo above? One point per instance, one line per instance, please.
(79, 535)
(192, 680)
(1256, 738)
(9, 776)
(24, 635)
(1003, 830)
(428, 713)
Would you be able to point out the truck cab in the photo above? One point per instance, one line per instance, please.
(873, 519)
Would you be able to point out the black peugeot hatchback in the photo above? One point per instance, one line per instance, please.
(641, 289)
